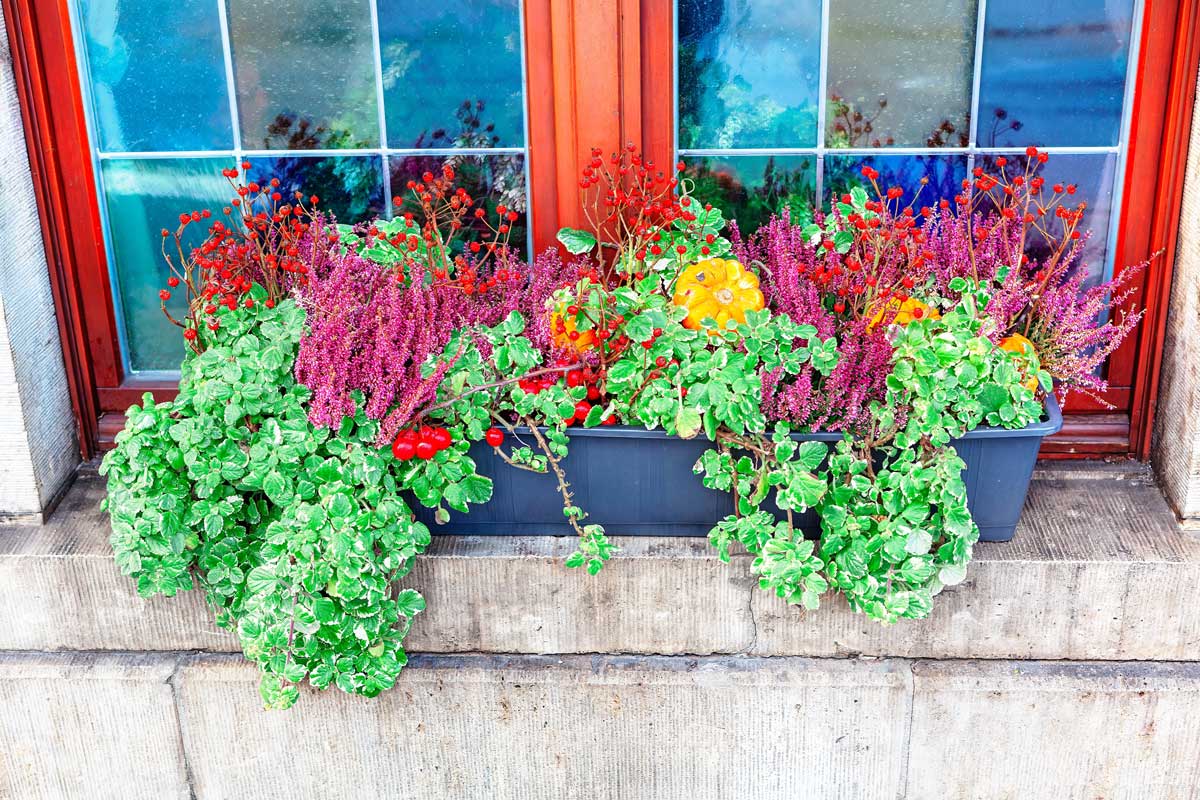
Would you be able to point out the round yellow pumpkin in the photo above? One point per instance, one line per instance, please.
(717, 288)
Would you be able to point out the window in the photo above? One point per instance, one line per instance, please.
(146, 97)
(780, 103)
(343, 99)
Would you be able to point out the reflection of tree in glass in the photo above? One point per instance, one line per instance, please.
(1001, 124)
(752, 202)
(350, 187)
(497, 179)
(733, 116)
(851, 127)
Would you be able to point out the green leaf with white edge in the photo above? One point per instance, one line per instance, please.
(577, 242)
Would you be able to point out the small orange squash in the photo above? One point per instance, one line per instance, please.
(717, 288)
(562, 325)
(911, 309)
(1016, 343)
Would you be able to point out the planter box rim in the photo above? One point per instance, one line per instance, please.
(1052, 424)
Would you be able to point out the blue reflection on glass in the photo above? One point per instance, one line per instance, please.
(157, 74)
(143, 197)
(748, 73)
(1054, 73)
(349, 187)
(943, 175)
(436, 94)
(1093, 175)
(751, 189)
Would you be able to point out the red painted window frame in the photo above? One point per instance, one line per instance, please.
(600, 74)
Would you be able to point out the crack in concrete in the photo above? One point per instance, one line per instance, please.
(184, 747)
(911, 690)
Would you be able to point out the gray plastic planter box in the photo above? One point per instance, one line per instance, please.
(639, 482)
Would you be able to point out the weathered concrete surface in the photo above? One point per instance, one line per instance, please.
(537, 728)
(1015, 731)
(90, 726)
(38, 446)
(60, 590)
(492, 727)
(1098, 570)
(1176, 443)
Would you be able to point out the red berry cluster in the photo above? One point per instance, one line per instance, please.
(889, 255)
(260, 243)
(627, 200)
(444, 219)
(424, 442)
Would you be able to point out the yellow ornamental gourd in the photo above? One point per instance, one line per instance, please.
(719, 289)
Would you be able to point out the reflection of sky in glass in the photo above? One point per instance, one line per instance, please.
(1056, 69)
(1093, 175)
(748, 73)
(143, 197)
(349, 187)
(305, 73)
(431, 67)
(919, 54)
(944, 173)
(751, 189)
(158, 74)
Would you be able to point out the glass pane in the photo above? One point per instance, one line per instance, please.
(305, 74)
(143, 197)
(495, 180)
(1054, 73)
(900, 72)
(349, 187)
(750, 189)
(1093, 174)
(943, 176)
(435, 95)
(138, 103)
(749, 73)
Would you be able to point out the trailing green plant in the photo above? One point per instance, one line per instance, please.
(296, 533)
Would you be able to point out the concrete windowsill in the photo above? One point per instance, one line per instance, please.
(1098, 570)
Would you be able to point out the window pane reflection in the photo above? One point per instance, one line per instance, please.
(748, 73)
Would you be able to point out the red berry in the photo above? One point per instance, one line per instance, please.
(190, 334)
(425, 450)
(593, 393)
(441, 438)
(494, 437)
(581, 410)
(403, 449)
(574, 378)
(661, 361)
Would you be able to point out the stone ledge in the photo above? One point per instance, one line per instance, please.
(554, 727)
(1098, 571)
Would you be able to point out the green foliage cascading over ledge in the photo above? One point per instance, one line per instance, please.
(297, 534)
(300, 533)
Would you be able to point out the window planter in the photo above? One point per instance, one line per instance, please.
(640, 483)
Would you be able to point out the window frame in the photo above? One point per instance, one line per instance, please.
(598, 74)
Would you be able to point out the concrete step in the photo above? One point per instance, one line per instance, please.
(1098, 571)
(155, 726)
